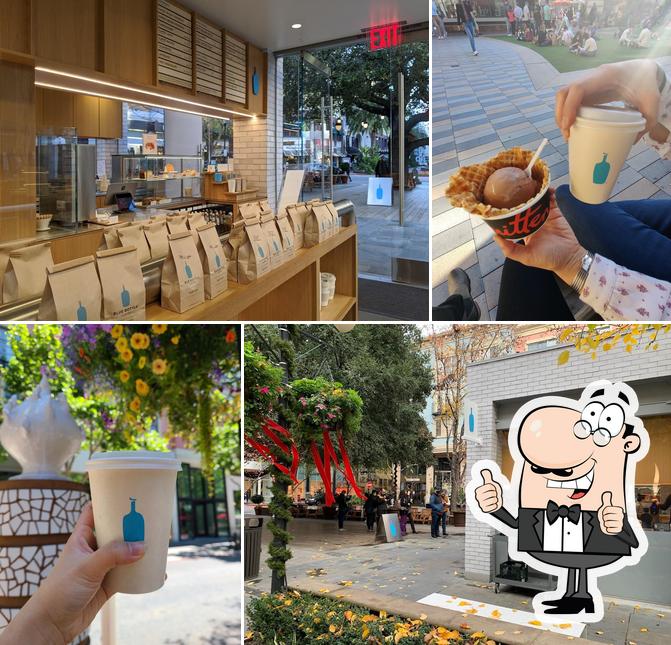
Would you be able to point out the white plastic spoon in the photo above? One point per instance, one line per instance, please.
(534, 159)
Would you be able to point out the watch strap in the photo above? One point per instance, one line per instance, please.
(581, 277)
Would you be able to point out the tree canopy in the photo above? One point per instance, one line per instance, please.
(384, 364)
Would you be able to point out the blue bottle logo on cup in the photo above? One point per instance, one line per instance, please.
(81, 312)
(601, 170)
(133, 524)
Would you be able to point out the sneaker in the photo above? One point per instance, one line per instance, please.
(476, 53)
(341, 529)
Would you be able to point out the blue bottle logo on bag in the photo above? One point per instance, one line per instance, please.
(133, 524)
(188, 271)
(125, 297)
(601, 170)
(379, 193)
(217, 261)
(277, 248)
(261, 253)
(81, 312)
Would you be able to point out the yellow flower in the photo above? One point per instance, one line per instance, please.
(159, 366)
(126, 355)
(117, 330)
(129, 417)
(135, 404)
(124, 376)
(121, 344)
(141, 387)
(142, 362)
(137, 341)
(159, 329)
(175, 340)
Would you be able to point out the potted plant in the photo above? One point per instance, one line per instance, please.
(459, 512)
(257, 500)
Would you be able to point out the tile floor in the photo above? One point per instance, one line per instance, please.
(482, 105)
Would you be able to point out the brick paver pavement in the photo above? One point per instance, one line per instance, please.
(482, 105)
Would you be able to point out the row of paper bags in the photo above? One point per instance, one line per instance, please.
(111, 285)
(261, 241)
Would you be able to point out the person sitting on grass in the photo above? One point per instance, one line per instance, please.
(627, 37)
(588, 49)
(567, 37)
(644, 39)
(614, 255)
(542, 39)
(578, 41)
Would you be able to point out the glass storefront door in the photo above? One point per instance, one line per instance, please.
(200, 513)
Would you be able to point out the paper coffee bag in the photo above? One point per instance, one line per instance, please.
(194, 222)
(286, 235)
(111, 237)
(250, 209)
(177, 224)
(264, 205)
(123, 291)
(253, 253)
(317, 225)
(4, 260)
(297, 214)
(26, 274)
(235, 239)
(134, 236)
(72, 291)
(182, 275)
(334, 216)
(157, 238)
(272, 235)
(212, 258)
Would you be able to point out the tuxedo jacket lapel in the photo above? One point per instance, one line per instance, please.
(588, 527)
(538, 526)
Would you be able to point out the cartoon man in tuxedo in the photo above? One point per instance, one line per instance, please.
(572, 490)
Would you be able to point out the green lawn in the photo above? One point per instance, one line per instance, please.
(609, 52)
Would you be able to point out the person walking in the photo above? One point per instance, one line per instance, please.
(446, 510)
(469, 25)
(370, 509)
(405, 503)
(438, 21)
(342, 502)
(436, 506)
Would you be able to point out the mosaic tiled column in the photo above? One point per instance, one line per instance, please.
(36, 519)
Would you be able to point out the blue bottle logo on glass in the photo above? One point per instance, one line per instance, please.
(133, 524)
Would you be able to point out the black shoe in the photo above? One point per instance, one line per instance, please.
(559, 601)
(573, 605)
(458, 282)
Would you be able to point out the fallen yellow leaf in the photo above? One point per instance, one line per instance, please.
(463, 603)
(332, 628)
(499, 632)
(644, 629)
(472, 611)
(323, 590)
(496, 614)
(478, 635)
(564, 625)
(537, 623)
(423, 616)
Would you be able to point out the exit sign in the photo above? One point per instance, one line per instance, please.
(385, 36)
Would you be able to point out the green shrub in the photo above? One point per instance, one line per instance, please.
(302, 619)
(256, 499)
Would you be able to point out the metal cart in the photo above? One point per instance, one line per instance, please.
(535, 580)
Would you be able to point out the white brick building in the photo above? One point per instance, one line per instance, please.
(499, 387)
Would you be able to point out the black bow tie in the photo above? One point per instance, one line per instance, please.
(554, 511)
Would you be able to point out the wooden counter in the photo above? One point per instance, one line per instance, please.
(289, 292)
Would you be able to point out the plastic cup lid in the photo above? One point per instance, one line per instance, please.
(133, 459)
(611, 114)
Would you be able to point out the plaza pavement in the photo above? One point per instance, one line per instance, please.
(199, 603)
(482, 105)
(419, 566)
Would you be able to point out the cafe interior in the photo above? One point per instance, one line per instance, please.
(123, 114)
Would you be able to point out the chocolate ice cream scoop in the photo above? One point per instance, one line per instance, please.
(509, 187)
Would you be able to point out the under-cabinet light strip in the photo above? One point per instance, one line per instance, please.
(139, 91)
(52, 86)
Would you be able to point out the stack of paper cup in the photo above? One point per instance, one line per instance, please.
(600, 141)
(328, 283)
(133, 495)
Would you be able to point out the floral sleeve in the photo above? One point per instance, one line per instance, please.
(616, 293)
(663, 148)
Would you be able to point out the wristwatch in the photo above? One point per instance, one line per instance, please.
(581, 277)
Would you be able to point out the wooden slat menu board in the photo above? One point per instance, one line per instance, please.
(209, 59)
(175, 53)
(236, 70)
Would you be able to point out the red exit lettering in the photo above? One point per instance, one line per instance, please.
(385, 36)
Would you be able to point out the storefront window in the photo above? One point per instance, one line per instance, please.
(200, 514)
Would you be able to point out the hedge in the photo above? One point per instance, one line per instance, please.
(295, 618)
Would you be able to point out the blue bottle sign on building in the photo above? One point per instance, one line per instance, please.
(379, 193)
(133, 524)
(255, 83)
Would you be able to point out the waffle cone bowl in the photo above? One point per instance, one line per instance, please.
(467, 186)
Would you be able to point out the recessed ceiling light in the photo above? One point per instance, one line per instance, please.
(296, 25)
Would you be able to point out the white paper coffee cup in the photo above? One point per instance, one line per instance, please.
(133, 495)
(601, 139)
